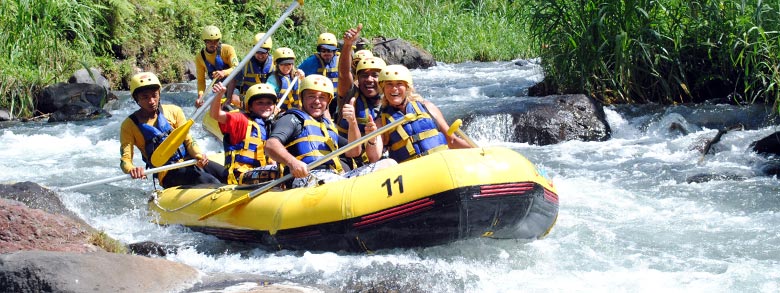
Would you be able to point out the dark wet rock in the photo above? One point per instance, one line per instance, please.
(769, 145)
(91, 76)
(149, 248)
(398, 51)
(48, 271)
(701, 178)
(770, 168)
(551, 119)
(189, 71)
(74, 101)
(37, 197)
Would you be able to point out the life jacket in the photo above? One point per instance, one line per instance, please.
(330, 70)
(363, 112)
(415, 138)
(316, 140)
(219, 64)
(248, 153)
(292, 100)
(254, 73)
(155, 135)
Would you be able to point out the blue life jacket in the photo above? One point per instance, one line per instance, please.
(364, 113)
(219, 64)
(248, 153)
(255, 73)
(155, 135)
(415, 138)
(316, 140)
(330, 70)
(292, 100)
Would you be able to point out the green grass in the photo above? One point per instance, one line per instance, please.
(668, 51)
(47, 40)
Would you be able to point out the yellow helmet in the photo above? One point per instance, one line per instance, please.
(371, 63)
(318, 83)
(283, 53)
(260, 90)
(143, 80)
(210, 32)
(268, 42)
(362, 54)
(396, 72)
(327, 40)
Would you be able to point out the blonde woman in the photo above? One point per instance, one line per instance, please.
(426, 134)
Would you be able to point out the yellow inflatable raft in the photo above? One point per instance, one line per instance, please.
(443, 197)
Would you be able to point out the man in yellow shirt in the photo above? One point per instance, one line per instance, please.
(149, 126)
(216, 59)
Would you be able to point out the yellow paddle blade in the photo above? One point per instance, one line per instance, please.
(166, 149)
(244, 198)
(454, 127)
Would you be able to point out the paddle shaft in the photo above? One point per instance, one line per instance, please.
(251, 54)
(166, 149)
(127, 176)
(309, 167)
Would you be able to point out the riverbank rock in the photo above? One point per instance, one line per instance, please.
(5, 115)
(91, 76)
(50, 271)
(398, 51)
(73, 101)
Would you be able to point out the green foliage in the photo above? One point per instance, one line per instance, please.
(668, 51)
(44, 41)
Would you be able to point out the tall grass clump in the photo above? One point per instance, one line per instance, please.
(39, 39)
(663, 51)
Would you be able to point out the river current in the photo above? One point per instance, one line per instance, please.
(629, 220)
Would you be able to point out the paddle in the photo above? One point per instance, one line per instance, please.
(289, 89)
(177, 136)
(455, 128)
(247, 197)
(148, 172)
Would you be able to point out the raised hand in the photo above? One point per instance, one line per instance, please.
(348, 111)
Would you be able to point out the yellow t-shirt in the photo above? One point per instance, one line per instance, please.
(229, 57)
(130, 135)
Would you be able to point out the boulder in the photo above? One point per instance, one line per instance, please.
(551, 119)
(73, 101)
(769, 145)
(5, 115)
(398, 51)
(33, 229)
(91, 76)
(49, 271)
(189, 71)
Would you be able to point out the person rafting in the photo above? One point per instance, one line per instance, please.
(217, 60)
(282, 77)
(148, 127)
(257, 70)
(324, 62)
(425, 134)
(302, 136)
(245, 134)
(365, 91)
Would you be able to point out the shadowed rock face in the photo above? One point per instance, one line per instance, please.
(552, 119)
(48, 271)
(398, 51)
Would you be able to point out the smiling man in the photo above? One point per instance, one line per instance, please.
(365, 91)
(302, 136)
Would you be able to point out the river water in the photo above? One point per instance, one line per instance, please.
(629, 221)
